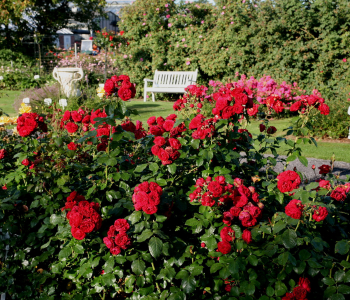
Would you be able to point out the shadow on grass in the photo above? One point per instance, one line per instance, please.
(137, 106)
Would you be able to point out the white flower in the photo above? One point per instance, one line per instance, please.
(26, 100)
(1, 78)
(36, 76)
(48, 101)
(63, 102)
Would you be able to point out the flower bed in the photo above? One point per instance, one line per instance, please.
(168, 210)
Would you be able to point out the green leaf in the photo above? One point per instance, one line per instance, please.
(64, 253)
(253, 260)
(303, 160)
(270, 291)
(328, 281)
(108, 279)
(154, 167)
(109, 265)
(339, 276)
(216, 267)
(183, 274)
(138, 266)
(283, 258)
(317, 243)
(291, 158)
(78, 249)
(238, 231)
(55, 219)
(161, 182)
(342, 247)
(195, 144)
(336, 297)
(161, 218)
(135, 217)
(172, 168)
(250, 290)
(140, 168)
(304, 254)
(330, 291)
(279, 226)
(234, 267)
(289, 238)
(188, 285)
(155, 246)
(280, 289)
(344, 289)
(144, 235)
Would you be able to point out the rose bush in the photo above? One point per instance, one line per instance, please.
(185, 206)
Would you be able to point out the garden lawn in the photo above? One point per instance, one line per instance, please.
(7, 99)
(149, 109)
(324, 150)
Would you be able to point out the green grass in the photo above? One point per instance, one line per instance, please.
(6, 101)
(324, 150)
(149, 109)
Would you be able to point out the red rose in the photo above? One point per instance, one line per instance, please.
(324, 184)
(320, 214)
(109, 87)
(71, 127)
(155, 150)
(175, 143)
(305, 284)
(151, 121)
(115, 250)
(288, 296)
(216, 188)
(324, 169)
(159, 140)
(156, 130)
(101, 147)
(77, 117)
(25, 131)
(150, 209)
(338, 194)
(87, 225)
(122, 240)
(271, 130)
(299, 293)
(228, 288)
(247, 236)
(77, 233)
(262, 127)
(86, 119)
(121, 225)
(125, 94)
(288, 181)
(66, 116)
(25, 162)
(108, 242)
(227, 234)
(324, 109)
(168, 125)
(163, 155)
(224, 247)
(2, 153)
(294, 209)
(72, 146)
(75, 219)
(171, 117)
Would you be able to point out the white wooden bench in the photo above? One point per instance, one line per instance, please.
(169, 82)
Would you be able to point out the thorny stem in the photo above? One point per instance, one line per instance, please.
(297, 226)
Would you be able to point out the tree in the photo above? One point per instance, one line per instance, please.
(23, 18)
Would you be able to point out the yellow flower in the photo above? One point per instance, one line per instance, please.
(25, 109)
(100, 92)
(8, 121)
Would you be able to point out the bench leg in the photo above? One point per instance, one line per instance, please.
(144, 96)
(153, 98)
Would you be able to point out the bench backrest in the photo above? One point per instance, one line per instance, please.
(174, 79)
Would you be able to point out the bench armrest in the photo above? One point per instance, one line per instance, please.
(147, 80)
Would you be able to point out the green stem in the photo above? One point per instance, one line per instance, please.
(297, 226)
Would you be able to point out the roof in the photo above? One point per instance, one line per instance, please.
(64, 31)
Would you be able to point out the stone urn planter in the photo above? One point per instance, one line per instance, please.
(68, 78)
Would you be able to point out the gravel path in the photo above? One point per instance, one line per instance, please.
(340, 167)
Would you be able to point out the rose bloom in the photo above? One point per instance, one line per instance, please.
(247, 236)
(271, 130)
(77, 233)
(72, 146)
(121, 225)
(262, 127)
(224, 247)
(338, 194)
(294, 209)
(325, 169)
(71, 127)
(25, 162)
(304, 283)
(288, 181)
(320, 214)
